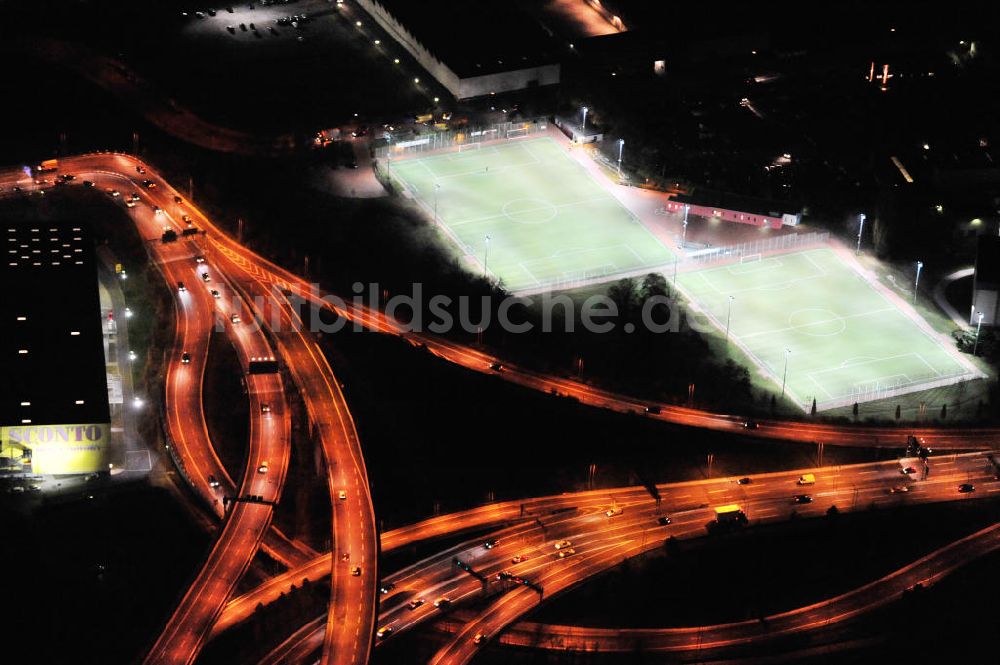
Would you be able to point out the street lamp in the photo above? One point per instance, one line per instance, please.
(861, 228)
(784, 377)
(621, 147)
(979, 326)
(584, 125)
(729, 315)
(916, 282)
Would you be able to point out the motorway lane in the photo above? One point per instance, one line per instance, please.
(351, 611)
(845, 607)
(848, 488)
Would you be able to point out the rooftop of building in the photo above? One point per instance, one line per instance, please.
(52, 344)
(476, 38)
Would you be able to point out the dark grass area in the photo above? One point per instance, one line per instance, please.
(438, 437)
(227, 409)
(92, 581)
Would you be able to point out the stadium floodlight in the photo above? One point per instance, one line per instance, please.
(916, 282)
(437, 186)
(784, 376)
(861, 228)
(729, 316)
(486, 257)
(583, 126)
(621, 147)
(979, 327)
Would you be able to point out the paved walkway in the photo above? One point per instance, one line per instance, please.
(941, 298)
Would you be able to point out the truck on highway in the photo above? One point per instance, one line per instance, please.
(731, 514)
(47, 166)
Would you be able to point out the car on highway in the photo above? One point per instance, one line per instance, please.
(519, 558)
(212, 481)
(187, 219)
(140, 169)
(569, 551)
(263, 467)
(613, 511)
(907, 471)
(265, 408)
(653, 410)
(157, 210)
(562, 544)
(235, 318)
(129, 203)
(205, 277)
(386, 588)
(806, 479)
(802, 498)
(414, 604)
(215, 294)
(88, 183)
(149, 184)
(199, 258)
(491, 543)
(479, 638)
(899, 489)
(113, 193)
(383, 632)
(356, 571)
(185, 358)
(965, 488)
(663, 520)
(750, 423)
(442, 603)
(135, 197)
(180, 287)
(178, 200)
(496, 367)
(342, 495)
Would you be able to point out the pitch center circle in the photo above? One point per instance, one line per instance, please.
(816, 322)
(530, 211)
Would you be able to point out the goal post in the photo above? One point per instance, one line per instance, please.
(750, 258)
(518, 133)
(464, 147)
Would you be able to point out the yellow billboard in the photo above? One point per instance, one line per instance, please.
(62, 449)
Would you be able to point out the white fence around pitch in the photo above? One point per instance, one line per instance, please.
(464, 138)
(756, 248)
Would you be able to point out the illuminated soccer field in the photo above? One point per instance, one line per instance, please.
(847, 341)
(548, 220)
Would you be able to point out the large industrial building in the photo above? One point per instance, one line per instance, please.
(54, 416)
(473, 49)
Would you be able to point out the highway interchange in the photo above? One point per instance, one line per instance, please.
(257, 290)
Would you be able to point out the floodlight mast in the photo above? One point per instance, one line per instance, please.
(916, 282)
(979, 327)
(784, 376)
(729, 316)
(861, 229)
(621, 147)
(486, 258)
(583, 126)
